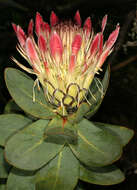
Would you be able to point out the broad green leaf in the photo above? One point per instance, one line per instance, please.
(60, 174)
(20, 180)
(12, 107)
(3, 187)
(78, 116)
(60, 131)
(96, 147)
(108, 175)
(28, 149)
(97, 94)
(11, 123)
(20, 87)
(4, 167)
(123, 133)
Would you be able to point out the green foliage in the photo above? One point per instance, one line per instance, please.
(96, 147)
(20, 87)
(12, 107)
(60, 174)
(123, 133)
(4, 167)
(31, 144)
(11, 123)
(20, 180)
(48, 151)
(60, 132)
(108, 175)
(80, 113)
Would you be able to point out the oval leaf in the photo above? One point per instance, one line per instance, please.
(96, 147)
(20, 87)
(3, 187)
(108, 175)
(12, 107)
(28, 150)
(11, 123)
(20, 180)
(123, 133)
(4, 167)
(60, 174)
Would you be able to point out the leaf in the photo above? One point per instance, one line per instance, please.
(20, 180)
(60, 131)
(12, 107)
(96, 92)
(78, 116)
(96, 147)
(3, 187)
(4, 167)
(108, 175)
(28, 150)
(20, 87)
(11, 123)
(123, 133)
(60, 174)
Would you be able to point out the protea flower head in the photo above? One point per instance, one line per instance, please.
(65, 57)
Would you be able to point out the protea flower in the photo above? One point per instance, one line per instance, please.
(65, 57)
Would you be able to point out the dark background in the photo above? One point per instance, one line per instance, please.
(120, 103)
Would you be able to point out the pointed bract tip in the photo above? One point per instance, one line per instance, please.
(104, 22)
(38, 23)
(87, 26)
(77, 18)
(21, 36)
(53, 19)
(30, 27)
(113, 37)
(14, 27)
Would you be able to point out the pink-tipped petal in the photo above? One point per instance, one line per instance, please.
(56, 45)
(53, 19)
(39, 23)
(42, 44)
(87, 26)
(95, 44)
(72, 63)
(76, 44)
(30, 27)
(77, 18)
(103, 57)
(21, 36)
(101, 44)
(113, 37)
(14, 27)
(104, 22)
(31, 51)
